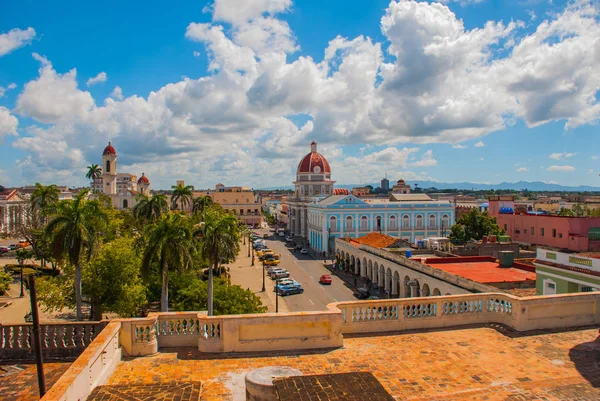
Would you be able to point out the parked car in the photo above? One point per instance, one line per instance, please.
(24, 243)
(271, 262)
(285, 282)
(273, 269)
(304, 251)
(288, 239)
(280, 274)
(14, 246)
(290, 290)
(263, 251)
(325, 279)
(362, 293)
(282, 234)
(4, 249)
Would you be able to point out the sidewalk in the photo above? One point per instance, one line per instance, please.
(250, 277)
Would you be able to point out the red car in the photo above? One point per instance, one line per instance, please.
(325, 279)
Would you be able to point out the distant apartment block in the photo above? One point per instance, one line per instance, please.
(240, 201)
(577, 234)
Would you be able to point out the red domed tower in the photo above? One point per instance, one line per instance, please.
(144, 185)
(313, 179)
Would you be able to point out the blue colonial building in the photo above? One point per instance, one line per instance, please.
(412, 217)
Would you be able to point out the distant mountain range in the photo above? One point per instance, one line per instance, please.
(520, 185)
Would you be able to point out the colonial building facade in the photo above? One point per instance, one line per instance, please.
(12, 211)
(121, 187)
(319, 213)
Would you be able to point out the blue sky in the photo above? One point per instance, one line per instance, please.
(482, 91)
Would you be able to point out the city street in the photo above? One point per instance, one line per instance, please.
(306, 270)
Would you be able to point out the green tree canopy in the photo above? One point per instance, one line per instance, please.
(5, 280)
(220, 242)
(150, 208)
(75, 231)
(169, 245)
(200, 204)
(112, 279)
(182, 195)
(228, 299)
(94, 171)
(473, 226)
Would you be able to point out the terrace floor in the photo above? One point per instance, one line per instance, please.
(483, 363)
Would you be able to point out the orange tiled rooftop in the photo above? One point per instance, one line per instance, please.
(464, 364)
(376, 240)
(483, 272)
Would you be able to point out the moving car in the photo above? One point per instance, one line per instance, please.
(290, 290)
(14, 246)
(325, 279)
(24, 243)
(4, 249)
(304, 251)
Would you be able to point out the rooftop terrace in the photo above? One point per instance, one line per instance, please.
(463, 364)
(482, 271)
(463, 347)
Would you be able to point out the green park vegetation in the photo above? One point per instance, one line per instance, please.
(129, 262)
(473, 226)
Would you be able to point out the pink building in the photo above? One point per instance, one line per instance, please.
(577, 234)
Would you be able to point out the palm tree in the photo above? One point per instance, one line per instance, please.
(220, 241)
(199, 205)
(170, 243)
(182, 194)
(75, 232)
(94, 171)
(44, 198)
(150, 208)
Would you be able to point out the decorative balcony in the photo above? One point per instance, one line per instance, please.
(196, 336)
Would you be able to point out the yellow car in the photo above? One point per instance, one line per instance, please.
(271, 262)
(260, 253)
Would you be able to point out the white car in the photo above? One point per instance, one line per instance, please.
(304, 251)
(288, 239)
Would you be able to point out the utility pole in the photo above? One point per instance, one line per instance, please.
(37, 340)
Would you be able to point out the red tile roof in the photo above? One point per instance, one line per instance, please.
(375, 240)
(483, 272)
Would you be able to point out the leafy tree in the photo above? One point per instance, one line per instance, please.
(75, 232)
(150, 208)
(170, 244)
(94, 171)
(5, 280)
(565, 212)
(220, 242)
(55, 292)
(228, 299)
(200, 204)
(474, 225)
(182, 194)
(112, 280)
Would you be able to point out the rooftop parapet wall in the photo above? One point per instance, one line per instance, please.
(568, 259)
(314, 330)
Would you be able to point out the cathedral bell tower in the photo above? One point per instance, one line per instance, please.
(109, 170)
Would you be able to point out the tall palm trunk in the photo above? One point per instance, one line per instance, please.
(212, 266)
(78, 300)
(164, 293)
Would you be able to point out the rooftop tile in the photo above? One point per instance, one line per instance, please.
(464, 364)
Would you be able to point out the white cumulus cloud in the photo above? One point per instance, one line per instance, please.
(560, 156)
(14, 39)
(117, 93)
(522, 169)
(8, 123)
(479, 144)
(101, 77)
(561, 168)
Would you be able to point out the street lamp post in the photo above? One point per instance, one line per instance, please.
(249, 245)
(252, 256)
(22, 292)
(276, 298)
(263, 273)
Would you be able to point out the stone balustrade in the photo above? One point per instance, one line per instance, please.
(60, 341)
(314, 330)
